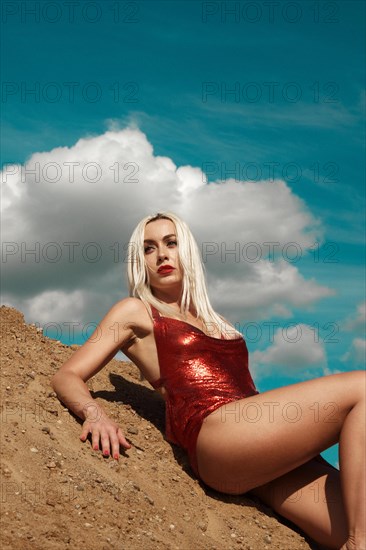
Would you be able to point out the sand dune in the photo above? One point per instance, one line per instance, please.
(56, 492)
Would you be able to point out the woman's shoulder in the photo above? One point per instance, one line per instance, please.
(131, 311)
(130, 305)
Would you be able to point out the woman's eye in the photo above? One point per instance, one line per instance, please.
(149, 248)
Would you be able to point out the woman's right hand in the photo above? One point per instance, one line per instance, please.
(69, 382)
(103, 431)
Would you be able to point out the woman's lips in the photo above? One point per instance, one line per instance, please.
(165, 269)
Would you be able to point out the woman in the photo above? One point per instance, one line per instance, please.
(237, 439)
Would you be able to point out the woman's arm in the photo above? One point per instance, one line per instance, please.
(69, 382)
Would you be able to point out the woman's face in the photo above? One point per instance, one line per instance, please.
(161, 256)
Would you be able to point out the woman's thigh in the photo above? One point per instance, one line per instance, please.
(310, 497)
(250, 442)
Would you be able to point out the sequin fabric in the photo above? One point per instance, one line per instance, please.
(200, 374)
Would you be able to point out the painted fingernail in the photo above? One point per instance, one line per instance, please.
(116, 457)
(106, 453)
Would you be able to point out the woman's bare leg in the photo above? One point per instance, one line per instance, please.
(253, 441)
(310, 496)
(352, 451)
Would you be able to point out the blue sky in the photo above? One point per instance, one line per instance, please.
(252, 95)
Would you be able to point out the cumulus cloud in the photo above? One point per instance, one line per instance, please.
(68, 214)
(357, 354)
(279, 283)
(62, 304)
(295, 349)
(357, 321)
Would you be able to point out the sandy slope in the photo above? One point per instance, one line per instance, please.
(57, 493)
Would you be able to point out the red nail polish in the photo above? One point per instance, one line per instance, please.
(116, 457)
(106, 453)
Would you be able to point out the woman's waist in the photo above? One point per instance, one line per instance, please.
(185, 419)
(208, 387)
(184, 408)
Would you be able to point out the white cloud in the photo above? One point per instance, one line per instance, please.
(57, 303)
(357, 321)
(66, 227)
(189, 178)
(281, 286)
(357, 354)
(295, 349)
(51, 306)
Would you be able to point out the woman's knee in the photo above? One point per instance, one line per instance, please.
(349, 386)
(357, 383)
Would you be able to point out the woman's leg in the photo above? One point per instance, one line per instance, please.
(310, 496)
(352, 451)
(251, 442)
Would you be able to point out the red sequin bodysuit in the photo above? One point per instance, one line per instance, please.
(200, 374)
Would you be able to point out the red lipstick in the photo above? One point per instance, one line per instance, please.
(165, 269)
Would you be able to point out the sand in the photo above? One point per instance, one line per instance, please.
(57, 493)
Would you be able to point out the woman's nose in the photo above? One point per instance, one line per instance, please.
(162, 255)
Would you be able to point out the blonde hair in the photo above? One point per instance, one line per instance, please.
(194, 292)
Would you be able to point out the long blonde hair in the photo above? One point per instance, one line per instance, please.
(194, 292)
